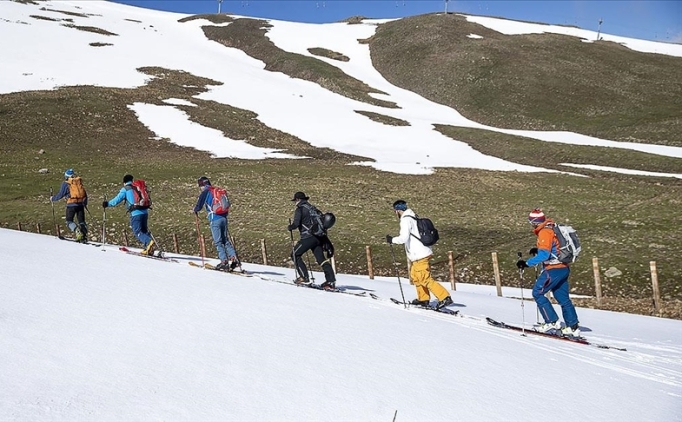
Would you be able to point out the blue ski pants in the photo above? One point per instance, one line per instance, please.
(555, 281)
(221, 240)
(139, 225)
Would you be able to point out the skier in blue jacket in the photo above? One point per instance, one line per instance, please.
(138, 217)
(219, 227)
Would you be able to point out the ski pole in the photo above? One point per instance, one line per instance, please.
(537, 309)
(54, 219)
(162, 251)
(312, 274)
(523, 309)
(104, 223)
(234, 246)
(293, 251)
(395, 267)
(201, 250)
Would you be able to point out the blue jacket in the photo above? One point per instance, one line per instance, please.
(64, 192)
(126, 194)
(204, 201)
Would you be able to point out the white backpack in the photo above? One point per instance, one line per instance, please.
(569, 243)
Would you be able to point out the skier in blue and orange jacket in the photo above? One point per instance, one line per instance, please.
(553, 277)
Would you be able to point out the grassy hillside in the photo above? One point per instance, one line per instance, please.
(537, 81)
(626, 221)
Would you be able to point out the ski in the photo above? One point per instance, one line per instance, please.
(429, 308)
(213, 267)
(68, 239)
(579, 340)
(158, 257)
(336, 290)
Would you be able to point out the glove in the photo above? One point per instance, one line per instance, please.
(521, 264)
(290, 227)
(105, 204)
(389, 239)
(533, 251)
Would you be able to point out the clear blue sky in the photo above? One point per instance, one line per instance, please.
(651, 20)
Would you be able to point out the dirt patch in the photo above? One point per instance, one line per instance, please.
(213, 18)
(90, 29)
(382, 118)
(65, 12)
(43, 18)
(323, 52)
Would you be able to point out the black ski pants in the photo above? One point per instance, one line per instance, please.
(314, 244)
(78, 212)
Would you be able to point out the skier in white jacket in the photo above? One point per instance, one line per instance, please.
(419, 255)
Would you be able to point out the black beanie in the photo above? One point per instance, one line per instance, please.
(127, 178)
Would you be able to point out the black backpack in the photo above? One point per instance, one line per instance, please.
(317, 229)
(428, 234)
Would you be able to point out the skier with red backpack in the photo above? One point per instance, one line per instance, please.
(136, 196)
(217, 204)
(76, 201)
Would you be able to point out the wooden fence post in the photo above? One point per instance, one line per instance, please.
(451, 266)
(370, 267)
(56, 229)
(125, 237)
(19, 226)
(597, 279)
(264, 251)
(176, 244)
(38, 228)
(496, 269)
(654, 284)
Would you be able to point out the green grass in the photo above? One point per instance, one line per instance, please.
(626, 221)
(537, 81)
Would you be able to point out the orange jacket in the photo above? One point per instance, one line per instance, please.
(548, 242)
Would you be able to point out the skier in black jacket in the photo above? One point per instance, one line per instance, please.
(319, 243)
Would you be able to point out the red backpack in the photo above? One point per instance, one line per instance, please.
(221, 203)
(142, 200)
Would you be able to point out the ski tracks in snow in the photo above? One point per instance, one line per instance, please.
(633, 362)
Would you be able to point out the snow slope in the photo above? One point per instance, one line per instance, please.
(91, 333)
(46, 54)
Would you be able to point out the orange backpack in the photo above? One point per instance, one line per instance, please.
(77, 192)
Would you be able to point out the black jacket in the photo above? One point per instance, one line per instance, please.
(302, 220)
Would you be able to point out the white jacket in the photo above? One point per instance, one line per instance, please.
(413, 247)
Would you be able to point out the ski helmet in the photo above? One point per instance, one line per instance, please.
(69, 173)
(328, 220)
(203, 181)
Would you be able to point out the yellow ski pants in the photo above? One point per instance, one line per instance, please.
(420, 274)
